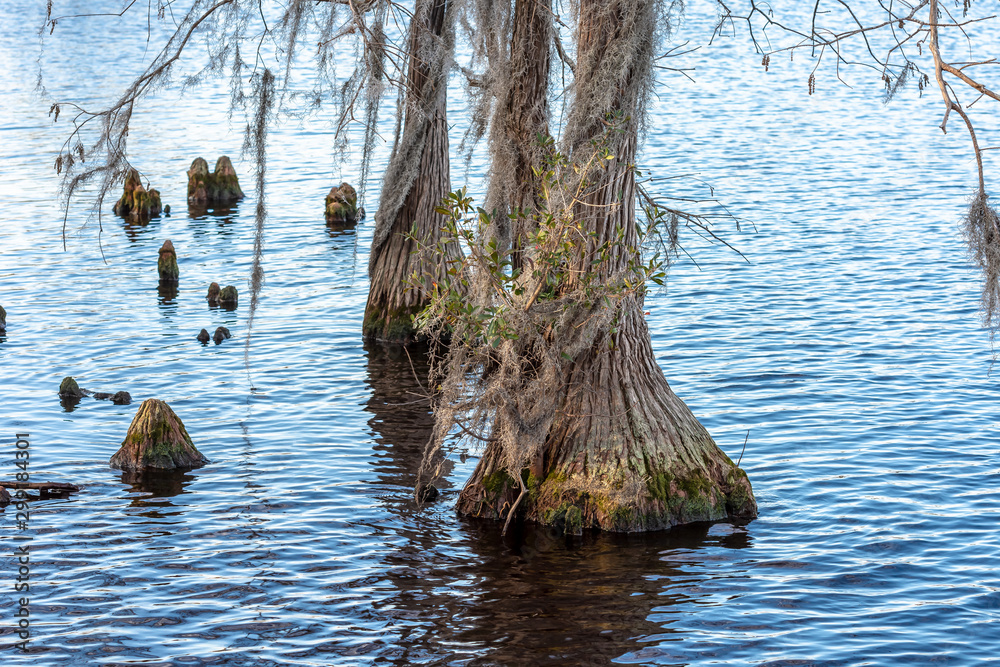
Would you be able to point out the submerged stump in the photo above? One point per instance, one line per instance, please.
(3, 320)
(342, 204)
(156, 440)
(136, 202)
(218, 187)
(166, 266)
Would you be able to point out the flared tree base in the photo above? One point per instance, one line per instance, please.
(623, 453)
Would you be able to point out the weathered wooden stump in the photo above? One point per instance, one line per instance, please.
(167, 264)
(219, 187)
(342, 204)
(3, 320)
(204, 337)
(136, 202)
(156, 440)
(45, 490)
(213, 293)
(221, 334)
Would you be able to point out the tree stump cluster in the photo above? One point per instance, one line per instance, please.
(209, 188)
(156, 440)
(228, 297)
(136, 202)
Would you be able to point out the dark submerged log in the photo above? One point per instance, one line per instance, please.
(218, 187)
(45, 490)
(156, 440)
(136, 202)
(118, 398)
(166, 265)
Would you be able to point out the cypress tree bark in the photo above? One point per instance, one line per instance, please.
(415, 182)
(623, 452)
(521, 117)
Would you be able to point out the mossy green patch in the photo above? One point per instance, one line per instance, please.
(658, 485)
(392, 326)
(566, 516)
(497, 482)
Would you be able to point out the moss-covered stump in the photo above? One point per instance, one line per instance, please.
(68, 388)
(156, 440)
(218, 187)
(166, 266)
(136, 202)
(228, 297)
(342, 204)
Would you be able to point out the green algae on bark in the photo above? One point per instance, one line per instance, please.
(156, 440)
(391, 325)
(136, 202)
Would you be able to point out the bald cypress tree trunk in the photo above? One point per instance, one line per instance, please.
(622, 452)
(416, 180)
(520, 119)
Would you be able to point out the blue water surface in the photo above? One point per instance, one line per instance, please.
(847, 353)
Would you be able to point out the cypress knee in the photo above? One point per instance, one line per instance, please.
(68, 388)
(228, 297)
(156, 440)
(167, 264)
(342, 204)
(213, 293)
(136, 202)
(218, 187)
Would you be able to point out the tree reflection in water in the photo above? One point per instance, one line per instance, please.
(456, 592)
(156, 487)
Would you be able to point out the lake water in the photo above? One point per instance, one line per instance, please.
(849, 347)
